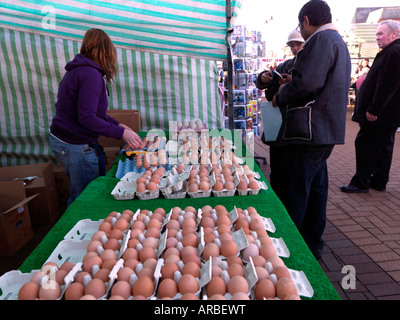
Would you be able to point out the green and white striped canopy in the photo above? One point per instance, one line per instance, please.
(195, 28)
(167, 52)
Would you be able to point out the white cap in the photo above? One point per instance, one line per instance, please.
(295, 36)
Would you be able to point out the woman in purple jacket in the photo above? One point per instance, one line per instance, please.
(81, 112)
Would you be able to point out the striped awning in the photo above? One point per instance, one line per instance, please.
(195, 28)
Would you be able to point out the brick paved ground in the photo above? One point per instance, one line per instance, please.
(363, 230)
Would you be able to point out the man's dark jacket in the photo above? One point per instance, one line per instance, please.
(380, 92)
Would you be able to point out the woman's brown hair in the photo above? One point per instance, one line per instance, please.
(97, 46)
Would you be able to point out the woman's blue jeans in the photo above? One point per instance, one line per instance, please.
(80, 162)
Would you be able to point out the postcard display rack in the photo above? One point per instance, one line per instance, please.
(246, 97)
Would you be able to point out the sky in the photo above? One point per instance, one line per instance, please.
(254, 13)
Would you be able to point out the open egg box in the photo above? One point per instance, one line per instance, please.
(129, 165)
(83, 230)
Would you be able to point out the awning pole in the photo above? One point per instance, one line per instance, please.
(230, 64)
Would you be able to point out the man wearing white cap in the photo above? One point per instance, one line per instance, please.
(271, 82)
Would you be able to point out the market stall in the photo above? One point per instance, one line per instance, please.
(97, 202)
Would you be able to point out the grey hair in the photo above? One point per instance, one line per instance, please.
(393, 25)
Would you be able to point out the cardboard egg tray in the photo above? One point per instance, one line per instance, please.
(74, 247)
(128, 165)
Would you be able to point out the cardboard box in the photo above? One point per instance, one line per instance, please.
(62, 183)
(15, 221)
(44, 208)
(131, 118)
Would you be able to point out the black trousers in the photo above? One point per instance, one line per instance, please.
(374, 153)
(299, 177)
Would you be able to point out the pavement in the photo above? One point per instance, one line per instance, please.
(362, 235)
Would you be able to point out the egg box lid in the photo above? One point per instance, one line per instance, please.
(83, 229)
(170, 193)
(12, 281)
(280, 247)
(124, 190)
(69, 250)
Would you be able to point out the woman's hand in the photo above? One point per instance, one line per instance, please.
(131, 138)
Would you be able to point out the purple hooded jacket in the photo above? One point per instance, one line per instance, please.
(82, 103)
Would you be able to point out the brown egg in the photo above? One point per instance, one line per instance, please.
(150, 263)
(131, 263)
(189, 296)
(216, 286)
(167, 288)
(59, 276)
(267, 251)
(204, 186)
(93, 245)
(50, 290)
(218, 186)
(80, 276)
(172, 258)
(75, 291)
(240, 296)
(171, 242)
(138, 225)
(121, 224)
(106, 227)
(276, 261)
(188, 230)
(97, 235)
(229, 185)
(281, 272)
(152, 233)
(102, 274)
(168, 270)
(191, 268)
(259, 261)
(238, 284)
(67, 266)
(121, 288)
(141, 187)
(234, 259)
(190, 240)
(262, 273)
(235, 270)
(223, 228)
(89, 263)
(29, 291)
(173, 224)
(229, 248)
(37, 277)
(150, 242)
(216, 271)
(147, 253)
(154, 223)
(210, 250)
(109, 264)
(189, 222)
(151, 186)
(130, 253)
(188, 284)
(158, 216)
(96, 288)
(250, 251)
(209, 238)
(225, 236)
(254, 185)
(265, 239)
(265, 288)
(143, 286)
(171, 251)
(242, 185)
(116, 234)
(207, 222)
(124, 273)
(108, 254)
(193, 187)
(112, 244)
(223, 219)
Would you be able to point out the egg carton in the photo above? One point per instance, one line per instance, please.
(124, 190)
(172, 193)
(12, 281)
(227, 193)
(205, 276)
(204, 194)
(262, 186)
(129, 165)
(83, 230)
(148, 195)
(268, 223)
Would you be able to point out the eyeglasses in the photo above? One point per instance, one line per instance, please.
(298, 27)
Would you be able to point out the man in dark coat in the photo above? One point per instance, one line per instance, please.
(378, 113)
